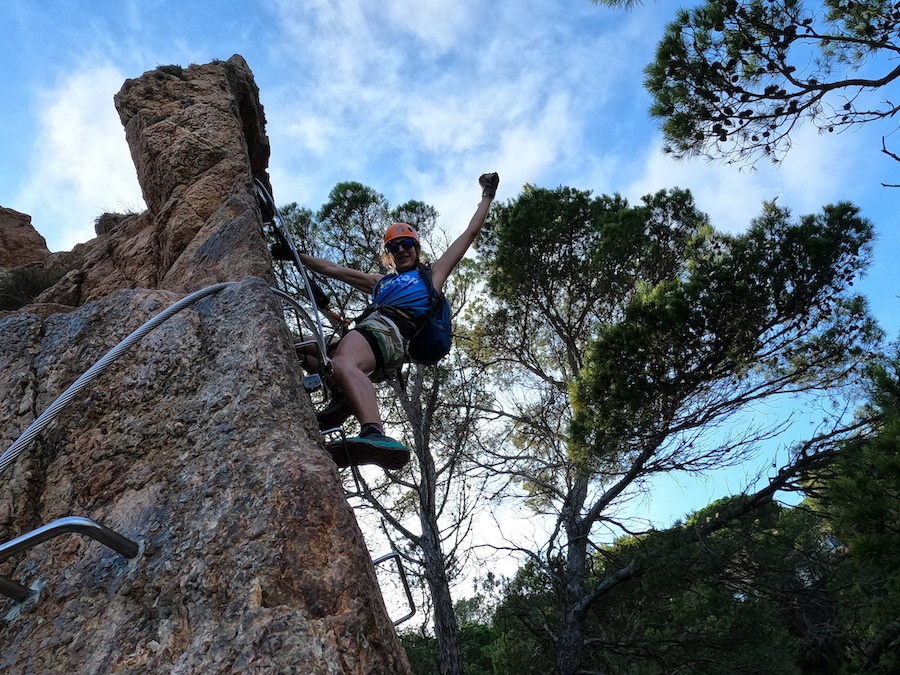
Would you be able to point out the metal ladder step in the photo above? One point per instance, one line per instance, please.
(76, 524)
(393, 555)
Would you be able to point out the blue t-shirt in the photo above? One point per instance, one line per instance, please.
(404, 297)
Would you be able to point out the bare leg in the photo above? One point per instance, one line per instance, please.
(352, 364)
(309, 357)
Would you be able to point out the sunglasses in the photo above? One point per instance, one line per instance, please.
(395, 245)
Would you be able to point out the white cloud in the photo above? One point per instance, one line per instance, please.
(315, 132)
(80, 164)
(817, 171)
(435, 22)
(515, 97)
(518, 150)
(529, 148)
(348, 61)
(541, 102)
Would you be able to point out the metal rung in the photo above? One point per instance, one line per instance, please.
(409, 597)
(76, 524)
(359, 493)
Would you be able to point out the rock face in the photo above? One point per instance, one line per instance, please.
(20, 243)
(198, 442)
(197, 137)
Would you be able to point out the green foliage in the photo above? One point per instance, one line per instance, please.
(560, 262)
(422, 652)
(491, 643)
(584, 246)
(174, 69)
(812, 589)
(520, 644)
(734, 79)
(352, 222)
(651, 329)
(860, 497)
(750, 598)
(773, 303)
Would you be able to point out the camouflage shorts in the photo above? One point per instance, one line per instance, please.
(383, 334)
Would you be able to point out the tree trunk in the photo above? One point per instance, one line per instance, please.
(570, 633)
(569, 645)
(419, 405)
(446, 629)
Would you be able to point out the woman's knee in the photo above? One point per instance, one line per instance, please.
(342, 367)
(354, 353)
(346, 370)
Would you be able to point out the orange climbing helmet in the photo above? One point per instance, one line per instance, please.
(399, 231)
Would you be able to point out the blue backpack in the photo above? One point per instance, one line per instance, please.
(432, 341)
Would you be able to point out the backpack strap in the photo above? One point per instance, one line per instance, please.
(433, 295)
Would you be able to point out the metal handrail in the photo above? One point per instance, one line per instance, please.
(76, 524)
(277, 221)
(409, 597)
(319, 339)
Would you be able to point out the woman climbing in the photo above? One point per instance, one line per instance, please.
(377, 344)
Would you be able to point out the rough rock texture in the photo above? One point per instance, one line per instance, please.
(199, 442)
(20, 243)
(197, 137)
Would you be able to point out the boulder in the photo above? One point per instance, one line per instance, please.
(20, 243)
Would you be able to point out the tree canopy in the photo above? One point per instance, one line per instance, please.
(612, 344)
(733, 80)
(742, 318)
(805, 590)
(623, 338)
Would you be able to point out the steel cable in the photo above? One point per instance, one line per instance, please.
(94, 371)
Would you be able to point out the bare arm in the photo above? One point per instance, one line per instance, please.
(361, 281)
(444, 265)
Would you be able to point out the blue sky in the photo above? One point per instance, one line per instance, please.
(413, 99)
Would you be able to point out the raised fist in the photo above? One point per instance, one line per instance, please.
(489, 183)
